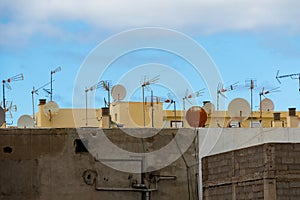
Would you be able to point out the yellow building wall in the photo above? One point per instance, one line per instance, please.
(130, 115)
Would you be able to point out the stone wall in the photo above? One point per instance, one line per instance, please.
(267, 171)
(51, 164)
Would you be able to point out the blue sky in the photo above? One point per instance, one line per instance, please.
(246, 39)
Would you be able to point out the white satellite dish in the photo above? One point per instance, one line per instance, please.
(51, 109)
(2, 116)
(25, 121)
(118, 92)
(239, 109)
(209, 108)
(267, 105)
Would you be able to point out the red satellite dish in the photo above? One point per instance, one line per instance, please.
(196, 116)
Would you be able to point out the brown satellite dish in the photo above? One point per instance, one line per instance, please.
(196, 116)
(239, 109)
(267, 105)
(2, 116)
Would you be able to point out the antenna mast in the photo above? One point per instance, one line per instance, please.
(263, 93)
(5, 84)
(143, 85)
(58, 69)
(251, 84)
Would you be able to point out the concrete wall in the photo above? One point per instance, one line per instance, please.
(42, 164)
(268, 171)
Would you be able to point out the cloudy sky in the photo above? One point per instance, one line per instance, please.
(245, 38)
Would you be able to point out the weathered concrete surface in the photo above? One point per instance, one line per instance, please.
(42, 164)
(267, 171)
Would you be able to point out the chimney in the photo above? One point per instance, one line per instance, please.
(277, 123)
(42, 102)
(292, 111)
(276, 116)
(292, 120)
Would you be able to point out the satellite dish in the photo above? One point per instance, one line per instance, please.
(209, 108)
(239, 109)
(25, 121)
(267, 105)
(2, 116)
(196, 116)
(51, 109)
(118, 92)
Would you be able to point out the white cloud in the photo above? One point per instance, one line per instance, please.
(31, 17)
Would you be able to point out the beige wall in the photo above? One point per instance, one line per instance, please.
(130, 115)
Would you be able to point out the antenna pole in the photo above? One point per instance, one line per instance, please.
(86, 112)
(51, 89)
(143, 104)
(299, 82)
(152, 109)
(32, 98)
(175, 114)
(4, 106)
(260, 109)
(3, 85)
(218, 99)
(251, 103)
(108, 98)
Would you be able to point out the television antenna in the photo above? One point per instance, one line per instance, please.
(191, 95)
(36, 91)
(87, 89)
(5, 84)
(58, 69)
(11, 108)
(106, 85)
(25, 121)
(51, 109)
(239, 110)
(147, 83)
(171, 100)
(251, 84)
(221, 90)
(267, 102)
(152, 99)
(292, 76)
